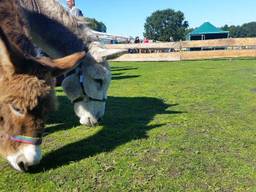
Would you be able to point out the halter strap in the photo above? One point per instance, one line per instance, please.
(81, 80)
(81, 98)
(26, 139)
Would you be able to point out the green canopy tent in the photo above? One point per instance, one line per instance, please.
(207, 31)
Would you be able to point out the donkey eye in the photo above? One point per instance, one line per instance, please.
(100, 81)
(17, 111)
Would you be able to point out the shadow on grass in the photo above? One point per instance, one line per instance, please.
(116, 77)
(64, 118)
(124, 68)
(118, 73)
(127, 119)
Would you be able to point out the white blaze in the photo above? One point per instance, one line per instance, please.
(31, 155)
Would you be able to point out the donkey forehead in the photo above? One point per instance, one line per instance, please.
(96, 71)
(27, 85)
(24, 91)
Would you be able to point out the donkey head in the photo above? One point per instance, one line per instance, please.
(26, 96)
(87, 87)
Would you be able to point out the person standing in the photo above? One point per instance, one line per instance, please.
(73, 10)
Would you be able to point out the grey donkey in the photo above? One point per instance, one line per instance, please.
(58, 33)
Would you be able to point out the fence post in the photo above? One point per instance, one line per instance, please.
(180, 50)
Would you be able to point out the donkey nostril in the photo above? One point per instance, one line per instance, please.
(100, 120)
(21, 163)
(91, 122)
(22, 166)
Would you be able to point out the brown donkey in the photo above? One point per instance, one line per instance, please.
(26, 89)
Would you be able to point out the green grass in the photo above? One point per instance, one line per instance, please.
(180, 126)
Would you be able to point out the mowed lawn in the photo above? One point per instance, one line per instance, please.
(169, 126)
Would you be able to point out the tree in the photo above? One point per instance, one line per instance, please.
(96, 25)
(189, 30)
(233, 30)
(164, 25)
(246, 30)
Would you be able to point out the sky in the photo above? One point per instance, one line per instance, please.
(127, 17)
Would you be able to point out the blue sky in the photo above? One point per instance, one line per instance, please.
(127, 17)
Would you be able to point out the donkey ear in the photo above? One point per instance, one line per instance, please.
(11, 59)
(100, 53)
(61, 65)
(6, 65)
(112, 53)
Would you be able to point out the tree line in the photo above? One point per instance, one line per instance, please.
(245, 30)
(170, 25)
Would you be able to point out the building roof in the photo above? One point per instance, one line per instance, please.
(207, 28)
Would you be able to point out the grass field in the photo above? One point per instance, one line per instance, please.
(181, 126)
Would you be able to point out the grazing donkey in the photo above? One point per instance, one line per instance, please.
(26, 88)
(58, 34)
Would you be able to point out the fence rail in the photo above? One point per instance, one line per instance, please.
(175, 51)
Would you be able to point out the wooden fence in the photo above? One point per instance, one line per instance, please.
(188, 50)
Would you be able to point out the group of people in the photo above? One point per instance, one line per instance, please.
(138, 40)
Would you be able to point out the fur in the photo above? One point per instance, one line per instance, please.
(27, 88)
